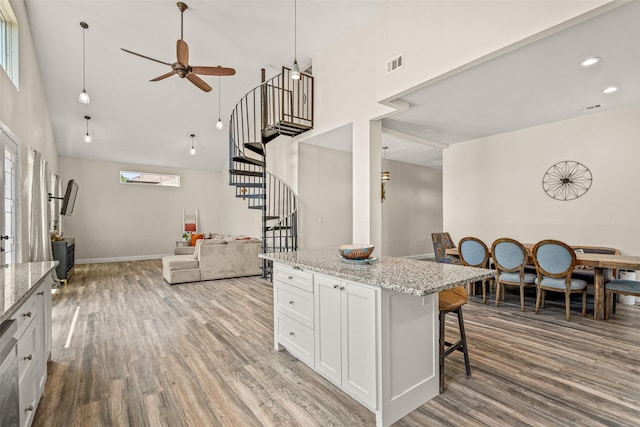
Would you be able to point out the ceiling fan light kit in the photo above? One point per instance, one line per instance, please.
(181, 67)
(84, 96)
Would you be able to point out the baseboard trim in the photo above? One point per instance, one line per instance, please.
(421, 256)
(119, 259)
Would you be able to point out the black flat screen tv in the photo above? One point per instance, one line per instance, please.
(69, 199)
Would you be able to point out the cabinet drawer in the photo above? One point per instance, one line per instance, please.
(27, 356)
(295, 303)
(25, 314)
(28, 398)
(296, 338)
(298, 278)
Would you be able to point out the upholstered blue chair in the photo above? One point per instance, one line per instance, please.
(510, 258)
(555, 262)
(441, 242)
(474, 253)
(622, 287)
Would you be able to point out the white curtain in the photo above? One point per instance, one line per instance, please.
(39, 214)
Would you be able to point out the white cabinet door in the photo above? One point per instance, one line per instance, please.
(359, 342)
(328, 327)
(43, 297)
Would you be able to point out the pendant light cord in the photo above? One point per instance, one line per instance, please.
(84, 83)
(219, 94)
(295, 30)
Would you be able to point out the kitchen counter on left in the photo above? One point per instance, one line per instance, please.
(18, 282)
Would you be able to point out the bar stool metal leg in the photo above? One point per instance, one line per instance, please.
(446, 348)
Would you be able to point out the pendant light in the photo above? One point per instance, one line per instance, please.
(295, 70)
(385, 175)
(87, 137)
(219, 125)
(84, 96)
(193, 147)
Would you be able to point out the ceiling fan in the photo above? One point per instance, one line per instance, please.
(181, 67)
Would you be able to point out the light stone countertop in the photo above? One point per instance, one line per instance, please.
(18, 282)
(397, 274)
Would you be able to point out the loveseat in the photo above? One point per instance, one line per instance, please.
(212, 259)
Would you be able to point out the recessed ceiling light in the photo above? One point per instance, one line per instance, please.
(590, 61)
(610, 89)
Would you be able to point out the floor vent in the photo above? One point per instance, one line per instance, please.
(395, 63)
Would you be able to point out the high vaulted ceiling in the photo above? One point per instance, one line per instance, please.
(136, 121)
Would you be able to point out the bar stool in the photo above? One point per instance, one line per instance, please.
(451, 301)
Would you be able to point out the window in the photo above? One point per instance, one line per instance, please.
(9, 41)
(127, 177)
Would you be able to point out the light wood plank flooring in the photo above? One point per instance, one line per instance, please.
(144, 353)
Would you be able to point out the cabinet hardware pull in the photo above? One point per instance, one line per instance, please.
(27, 314)
(295, 267)
(290, 277)
(291, 302)
(336, 286)
(30, 408)
(342, 288)
(41, 293)
(29, 357)
(292, 334)
(4, 237)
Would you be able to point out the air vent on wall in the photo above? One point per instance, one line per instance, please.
(589, 108)
(395, 63)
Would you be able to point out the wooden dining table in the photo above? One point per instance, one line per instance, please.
(603, 265)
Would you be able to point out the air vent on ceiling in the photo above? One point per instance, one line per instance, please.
(395, 63)
(589, 108)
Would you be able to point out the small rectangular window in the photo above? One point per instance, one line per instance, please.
(127, 177)
(9, 41)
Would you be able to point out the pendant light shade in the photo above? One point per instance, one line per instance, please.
(84, 96)
(295, 70)
(385, 176)
(219, 124)
(87, 136)
(193, 147)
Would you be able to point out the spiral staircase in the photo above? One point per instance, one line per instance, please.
(278, 106)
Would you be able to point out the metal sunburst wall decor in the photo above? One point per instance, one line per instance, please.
(567, 180)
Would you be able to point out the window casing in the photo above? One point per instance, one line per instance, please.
(9, 42)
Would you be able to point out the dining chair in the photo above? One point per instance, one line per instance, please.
(620, 287)
(451, 301)
(441, 242)
(474, 253)
(510, 258)
(555, 261)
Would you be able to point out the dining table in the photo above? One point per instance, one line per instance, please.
(603, 266)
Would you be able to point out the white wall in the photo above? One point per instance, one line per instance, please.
(24, 113)
(412, 209)
(493, 186)
(114, 221)
(325, 197)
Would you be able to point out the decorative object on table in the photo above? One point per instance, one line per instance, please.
(567, 180)
(181, 67)
(385, 177)
(441, 242)
(356, 251)
(369, 260)
(185, 236)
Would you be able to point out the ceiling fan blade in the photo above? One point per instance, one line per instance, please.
(198, 82)
(182, 52)
(164, 76)
(146, 57)
(213, 71)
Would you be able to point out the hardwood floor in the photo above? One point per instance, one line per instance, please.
(144, 353)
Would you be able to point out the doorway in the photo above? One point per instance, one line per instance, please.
(8, 205)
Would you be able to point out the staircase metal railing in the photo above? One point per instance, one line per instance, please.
(278, 106)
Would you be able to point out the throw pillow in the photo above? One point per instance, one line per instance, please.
(194, 237)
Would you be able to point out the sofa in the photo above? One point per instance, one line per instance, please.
(217, 258)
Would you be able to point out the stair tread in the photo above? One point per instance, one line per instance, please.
(256, 147)
(248, 160)
(247, 184)
(245, 172)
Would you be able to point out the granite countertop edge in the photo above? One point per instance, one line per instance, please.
(8, 313)
(381, 284)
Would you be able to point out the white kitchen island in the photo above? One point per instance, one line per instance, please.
(371, 329)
